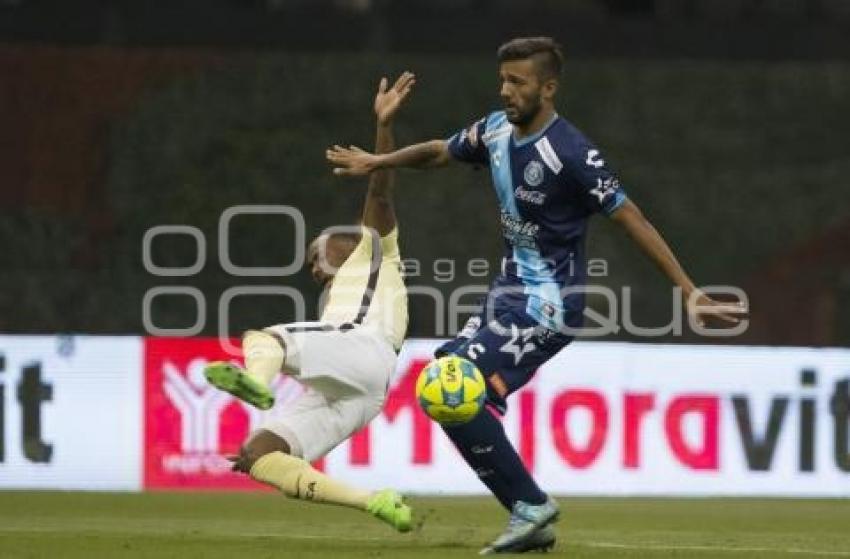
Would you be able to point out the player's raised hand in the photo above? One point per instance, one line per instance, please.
(352, 161)
(700, 306)
(387, 101)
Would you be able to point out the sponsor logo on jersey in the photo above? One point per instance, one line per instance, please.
(533, 173)
(530, 196)
(519, 233)
(605, 188)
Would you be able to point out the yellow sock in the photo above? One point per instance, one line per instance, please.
(263, 355)
(298, 479)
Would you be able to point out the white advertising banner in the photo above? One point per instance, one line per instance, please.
(71, 412)
(635, 419)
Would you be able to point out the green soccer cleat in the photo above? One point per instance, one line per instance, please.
(230, 378)
(387, 505)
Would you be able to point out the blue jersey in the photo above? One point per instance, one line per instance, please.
(548, 185)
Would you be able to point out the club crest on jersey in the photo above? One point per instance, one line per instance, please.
(533, 173)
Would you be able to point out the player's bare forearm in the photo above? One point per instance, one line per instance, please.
(354, 162)
(653, 245)
(379, 211)
(699, 305)
(434, 153)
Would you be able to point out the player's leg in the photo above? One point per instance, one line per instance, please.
(265, 354)
(507, 351)
(339, 363)
(268, 458)
(280, 456)
(482, 442)
(300, 350)
(346, 375)
(485, 447)
(471, 440)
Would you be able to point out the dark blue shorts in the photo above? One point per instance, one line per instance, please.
(508, 350)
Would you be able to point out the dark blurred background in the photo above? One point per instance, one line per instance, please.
(727, 121)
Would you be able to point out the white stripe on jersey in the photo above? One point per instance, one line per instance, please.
(550, 158)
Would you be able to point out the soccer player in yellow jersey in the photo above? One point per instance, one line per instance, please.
(344, 361)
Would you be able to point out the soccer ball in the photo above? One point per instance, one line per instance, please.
(451, 390)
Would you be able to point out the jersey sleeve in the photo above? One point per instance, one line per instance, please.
(467, 144)
(599, 187)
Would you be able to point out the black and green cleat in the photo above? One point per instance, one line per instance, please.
(230, 378)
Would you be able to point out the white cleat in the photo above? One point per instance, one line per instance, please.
(528, 529)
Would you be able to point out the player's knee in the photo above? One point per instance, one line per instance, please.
(262, 341)
(247, 457)
(262, 443)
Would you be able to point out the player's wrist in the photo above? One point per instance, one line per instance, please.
(688, 291)
(379, 161)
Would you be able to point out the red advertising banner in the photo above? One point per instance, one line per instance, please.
(190, 427)
(598, 419)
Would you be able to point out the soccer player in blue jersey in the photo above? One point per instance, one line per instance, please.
(549, 179)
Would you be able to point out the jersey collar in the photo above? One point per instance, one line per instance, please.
(534, 137)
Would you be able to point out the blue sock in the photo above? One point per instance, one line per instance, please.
(484, 445)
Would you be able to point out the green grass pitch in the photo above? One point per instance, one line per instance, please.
(264, 525)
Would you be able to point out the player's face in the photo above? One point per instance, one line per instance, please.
(522, 92)
(335, 252)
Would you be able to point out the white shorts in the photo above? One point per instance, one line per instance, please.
(346, 375)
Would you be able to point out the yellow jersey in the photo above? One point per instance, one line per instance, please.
(368, 288)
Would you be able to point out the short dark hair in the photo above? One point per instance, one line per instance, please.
(545, 50)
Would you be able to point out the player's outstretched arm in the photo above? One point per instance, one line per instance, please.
(353, 161)
(378, 211)
(699, 304)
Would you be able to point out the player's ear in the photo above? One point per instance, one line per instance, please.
(550, 88)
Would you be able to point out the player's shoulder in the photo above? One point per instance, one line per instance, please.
(566, 138)
(567, 141)
(389, 245)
